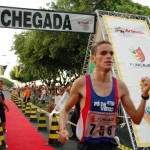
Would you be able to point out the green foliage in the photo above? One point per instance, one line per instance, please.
(46, 55)
(24, 76)
(8, 83)
(39, 105)
(33, 100)
(86, 6)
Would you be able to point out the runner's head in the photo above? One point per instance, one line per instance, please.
(102, 56)
(94, 48)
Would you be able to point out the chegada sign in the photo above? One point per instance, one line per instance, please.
(22, 18)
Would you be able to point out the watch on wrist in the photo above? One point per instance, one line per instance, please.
(145, 97)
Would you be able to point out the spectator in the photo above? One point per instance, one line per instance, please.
(3, 106)
(18, 91)
(43, 95)
(27, 94)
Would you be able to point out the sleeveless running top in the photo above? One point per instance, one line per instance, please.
(97, 122)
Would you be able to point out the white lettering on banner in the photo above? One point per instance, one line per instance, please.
(46, 20)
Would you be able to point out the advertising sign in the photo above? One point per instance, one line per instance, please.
(46, 20)
(131, 43)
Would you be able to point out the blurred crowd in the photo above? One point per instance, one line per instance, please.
(43, 96)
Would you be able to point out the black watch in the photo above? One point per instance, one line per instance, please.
(145, 97)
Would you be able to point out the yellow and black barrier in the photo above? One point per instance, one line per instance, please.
(42, 122)
(14, 97)
(23, 107)
(0, 144)
(2, 139)
(33, 114)
(54, 128)
(122, 147)
(27, 111)
(19, 104)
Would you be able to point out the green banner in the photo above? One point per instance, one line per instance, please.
(91, 67)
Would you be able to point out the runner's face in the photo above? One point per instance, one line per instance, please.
(103, 57)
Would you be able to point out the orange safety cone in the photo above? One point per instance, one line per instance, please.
(53, 135)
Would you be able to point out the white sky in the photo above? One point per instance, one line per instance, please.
(6, 35)
(143, 2)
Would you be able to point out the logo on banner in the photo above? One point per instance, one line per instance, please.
(123, 30)
(137, 54)
(119, 29)
(85, 24)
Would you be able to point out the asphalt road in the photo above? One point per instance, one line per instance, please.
(122, 133)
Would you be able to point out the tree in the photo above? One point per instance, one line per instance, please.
(24, 76)
(48, 55)
(8, 83)
(86, 6)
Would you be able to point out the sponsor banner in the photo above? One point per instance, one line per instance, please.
(131, 42)
(46, 20)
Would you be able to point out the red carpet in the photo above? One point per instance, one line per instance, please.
(22, 135)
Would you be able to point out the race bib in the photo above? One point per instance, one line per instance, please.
(100, 124)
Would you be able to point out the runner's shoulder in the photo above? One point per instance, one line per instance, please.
(79, 82)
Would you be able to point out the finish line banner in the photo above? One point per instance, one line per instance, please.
(46, 20)
(130, 39)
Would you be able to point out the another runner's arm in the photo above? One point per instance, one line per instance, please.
(135, 114)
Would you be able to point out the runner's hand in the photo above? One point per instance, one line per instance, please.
(63, 136)
(145, 83)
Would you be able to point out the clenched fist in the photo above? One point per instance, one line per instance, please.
(145, 83)
(63, 136)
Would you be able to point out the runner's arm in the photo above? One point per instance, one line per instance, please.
(135, 114)
(73, 99)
